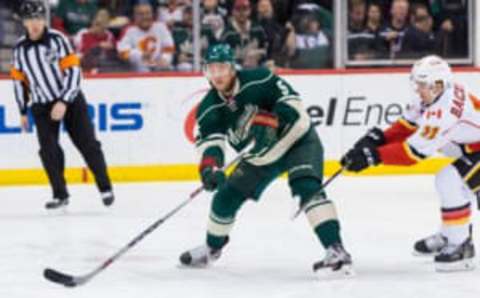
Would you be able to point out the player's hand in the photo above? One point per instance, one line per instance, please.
(373, 138)
(25, 123)
(357, 160)
(58, 111)
(212, 178)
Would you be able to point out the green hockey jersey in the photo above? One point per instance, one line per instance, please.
(223, 119)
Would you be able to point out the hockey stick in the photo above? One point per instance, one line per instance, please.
(324, 185)
(73, 281)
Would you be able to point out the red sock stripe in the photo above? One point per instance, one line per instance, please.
(457, 214)
(472, 148)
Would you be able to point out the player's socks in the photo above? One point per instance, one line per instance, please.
(456, 257)
(430, 245)
(56, 203)
(337, 263)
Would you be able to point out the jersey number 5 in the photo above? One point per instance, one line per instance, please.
(430, 132)
(283, 88)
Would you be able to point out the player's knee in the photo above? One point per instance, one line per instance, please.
(306, 188)
(449, 185)
(227, 201)
(447, 178)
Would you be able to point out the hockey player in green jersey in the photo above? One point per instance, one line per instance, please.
(256, 106)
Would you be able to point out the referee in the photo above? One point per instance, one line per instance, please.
(46, 72)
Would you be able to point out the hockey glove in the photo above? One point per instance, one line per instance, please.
(212, 176)
(264, 132)
(357, 160)
(373, 138)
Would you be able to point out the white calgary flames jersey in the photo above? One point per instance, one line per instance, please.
(452, 121)
(156, 40)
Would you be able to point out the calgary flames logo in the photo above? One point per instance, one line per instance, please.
(148, 44)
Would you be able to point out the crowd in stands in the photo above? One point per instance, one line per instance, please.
(157, 35)
(403, 29)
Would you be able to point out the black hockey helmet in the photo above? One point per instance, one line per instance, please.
(31, 9)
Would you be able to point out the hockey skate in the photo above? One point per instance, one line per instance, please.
(201, 256)
(456, 257)
(56, 203)
(429, 246)
(336, 264)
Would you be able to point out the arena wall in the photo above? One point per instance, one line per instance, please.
(145, 123)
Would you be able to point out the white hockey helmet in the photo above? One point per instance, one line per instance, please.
(430, 70)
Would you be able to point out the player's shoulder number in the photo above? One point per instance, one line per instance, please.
(283, 87)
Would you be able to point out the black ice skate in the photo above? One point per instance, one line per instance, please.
(201, 256)
(107, 198)
(337, 263)
(456, 257)
(56, 203)
(429, 246)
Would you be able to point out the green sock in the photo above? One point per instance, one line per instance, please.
(328, 233)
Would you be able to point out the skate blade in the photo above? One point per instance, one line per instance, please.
(464, 265)
(59, 211)
(421, 254)
(328, 274)
(195, 266)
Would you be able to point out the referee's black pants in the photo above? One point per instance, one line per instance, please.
(82, 134)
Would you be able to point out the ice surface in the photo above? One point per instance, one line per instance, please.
(269, 255)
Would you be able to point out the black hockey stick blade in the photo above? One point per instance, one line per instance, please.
(60, 278)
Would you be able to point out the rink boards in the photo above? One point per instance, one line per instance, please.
(146, 124)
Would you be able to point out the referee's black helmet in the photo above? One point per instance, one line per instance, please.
(31, 9)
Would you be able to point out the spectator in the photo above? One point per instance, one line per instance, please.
(10, 31)
(314, 47)
(419, 39)
(323, 15)
(214, 16)
(453, 26)
(247, 38)
(356, 16)
(183, 37)
(393, 33)
(73, 15)
(373, 27)
(321, 8)
(125, 7)
(170, 13)
(281, 40)
(96, 45)
(147, 45)
(357, 39)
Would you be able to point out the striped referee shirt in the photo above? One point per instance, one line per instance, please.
(45, 70)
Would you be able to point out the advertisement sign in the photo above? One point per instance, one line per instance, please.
(149, 122)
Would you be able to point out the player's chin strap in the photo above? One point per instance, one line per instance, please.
(324, 185)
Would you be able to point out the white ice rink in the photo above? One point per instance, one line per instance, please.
(269, 255)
